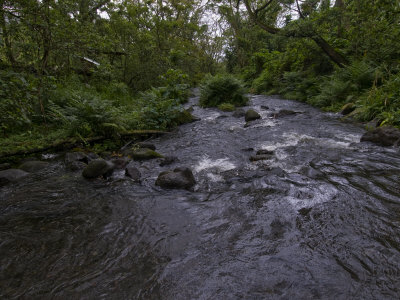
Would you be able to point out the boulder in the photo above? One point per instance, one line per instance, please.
(348, 108)
(384, 136)
(33, 166)
(239, 113)
(132, 172)
(11, 175)
(168, 160)
(143, 154)
(251, 115)
(145, 145)
(97, 168)
(180, 178)
(75, 160)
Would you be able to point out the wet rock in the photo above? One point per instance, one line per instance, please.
(143, 154)
(145, 145)
(11, 175)
(384, 136)
(348, 108)
(264, 152)
(97, 168)
(120, 162)
(5, 166)
(75, 160)
(33, 166)
(284, 113)
(251, 115)
(92, 156)
(180, 178)
(264, 107)
(239, 113)
(260, 157)
(248, 149)
(168, 160)
(133, 172)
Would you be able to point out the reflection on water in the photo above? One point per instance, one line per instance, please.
(319, 220)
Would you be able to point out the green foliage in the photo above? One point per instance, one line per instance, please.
(226, 107)
(222, 89)
(382, 102)
(345, 85)
(17, 96)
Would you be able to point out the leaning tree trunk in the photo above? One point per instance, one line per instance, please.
(335, 56)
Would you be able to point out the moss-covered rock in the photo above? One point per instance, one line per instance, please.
(144, 154)
(251, 115)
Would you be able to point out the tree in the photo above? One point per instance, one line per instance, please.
(256, 11)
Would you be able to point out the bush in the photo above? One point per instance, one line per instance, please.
(382, 102)
(226, 107)
(222, 89)
(345, 85)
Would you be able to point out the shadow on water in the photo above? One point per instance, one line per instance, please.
(318, 220)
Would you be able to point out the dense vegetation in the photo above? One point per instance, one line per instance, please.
(95, 67)
(102, 68)
(325, 52)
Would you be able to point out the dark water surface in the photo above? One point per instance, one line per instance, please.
(321, 220)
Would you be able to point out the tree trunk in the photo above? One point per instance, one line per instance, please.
(6, 36)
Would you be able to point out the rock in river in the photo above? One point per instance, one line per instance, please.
(98, 167)
(180, 178)
(384, 136)
(34, 166)
(11, 175)
(132, 172)
(251, 115)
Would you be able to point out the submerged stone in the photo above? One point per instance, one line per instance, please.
(168, 160)
(284, 113)
(11, 175)
(33, 166)
(239, 113)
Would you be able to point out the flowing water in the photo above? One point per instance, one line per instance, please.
(320, 220)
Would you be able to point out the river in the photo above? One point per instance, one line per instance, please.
(320, 220)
